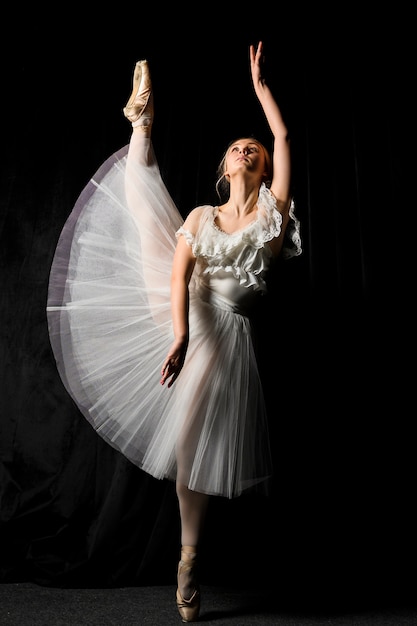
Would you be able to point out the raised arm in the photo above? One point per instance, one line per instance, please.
(281, 161)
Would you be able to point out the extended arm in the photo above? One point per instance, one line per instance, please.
(281, 161)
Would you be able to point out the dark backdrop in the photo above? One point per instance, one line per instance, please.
(332, 335)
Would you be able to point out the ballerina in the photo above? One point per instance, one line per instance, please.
(149, 314)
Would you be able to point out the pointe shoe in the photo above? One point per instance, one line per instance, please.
(139, 108)
(188, 609)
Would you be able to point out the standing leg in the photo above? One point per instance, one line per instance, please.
(193, 508)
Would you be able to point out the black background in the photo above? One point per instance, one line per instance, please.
(334, 335)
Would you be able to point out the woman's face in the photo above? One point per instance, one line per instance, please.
(245, 155)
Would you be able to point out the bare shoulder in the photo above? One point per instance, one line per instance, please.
(283, 205)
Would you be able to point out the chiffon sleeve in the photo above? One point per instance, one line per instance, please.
(292, 243)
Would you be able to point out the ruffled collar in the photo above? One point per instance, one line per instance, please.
(266, 224)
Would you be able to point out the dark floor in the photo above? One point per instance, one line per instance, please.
(27, 604)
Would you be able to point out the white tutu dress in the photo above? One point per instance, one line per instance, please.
(110, 328)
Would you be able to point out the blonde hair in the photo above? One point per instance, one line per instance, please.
(222, 184)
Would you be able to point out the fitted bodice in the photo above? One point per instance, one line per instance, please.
(230, 267)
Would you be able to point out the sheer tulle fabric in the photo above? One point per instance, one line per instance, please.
(110, 328)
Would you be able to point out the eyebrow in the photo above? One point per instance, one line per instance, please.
(250, 143)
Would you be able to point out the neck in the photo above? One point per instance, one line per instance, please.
(243, 199)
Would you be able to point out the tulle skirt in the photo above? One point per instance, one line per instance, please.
(110, 328)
